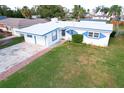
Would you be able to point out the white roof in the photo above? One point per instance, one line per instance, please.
(87, 24)
(40, 29)
(44, 28)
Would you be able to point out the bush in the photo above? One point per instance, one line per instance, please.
(113, 34)
(77, 38)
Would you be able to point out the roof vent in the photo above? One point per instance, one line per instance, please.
(54, 20)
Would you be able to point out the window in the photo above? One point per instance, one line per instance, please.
(93, 35)
(90, 34)
(63, 32)
(54, 35)
(96, 35)
(29, 36)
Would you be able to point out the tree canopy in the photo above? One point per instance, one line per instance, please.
(6, 11)
(50, 11)
(26, 12)
(78, 12)
(115, 10)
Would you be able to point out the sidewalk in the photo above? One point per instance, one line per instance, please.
(15, 68)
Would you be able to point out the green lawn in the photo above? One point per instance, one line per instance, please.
(74, 65)
(121, 28)
(1, 36)
(13, 42)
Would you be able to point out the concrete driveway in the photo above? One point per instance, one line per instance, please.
(14, 55)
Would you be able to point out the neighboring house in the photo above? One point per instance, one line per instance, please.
(101, 17)
(97, 16)
(12, 24)
(122, 18)
(95, 33)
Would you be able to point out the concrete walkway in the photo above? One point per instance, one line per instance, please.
(18, 65)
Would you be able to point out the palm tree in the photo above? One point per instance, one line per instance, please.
(97, 9)
(78, 12)
(26, 12)
(105, 10)
(115, 10)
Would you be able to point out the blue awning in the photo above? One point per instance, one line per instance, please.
(71, 32)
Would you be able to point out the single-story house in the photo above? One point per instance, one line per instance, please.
(95, 33)
(12, 24)
(43, 34)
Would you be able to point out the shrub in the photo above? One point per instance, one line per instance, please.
(77, 38)
(113, 34)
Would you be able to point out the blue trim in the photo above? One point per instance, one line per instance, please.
(28, 33)
(85, 34)
(100, 35)
(71, 32)
(51, 31)
(35, 39)
(54, 37)
(70, 27)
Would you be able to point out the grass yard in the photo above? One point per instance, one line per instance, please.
(1, 36)
(121, 28)
(12, 42)
(74, 65)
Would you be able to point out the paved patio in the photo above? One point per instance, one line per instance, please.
(14, 55)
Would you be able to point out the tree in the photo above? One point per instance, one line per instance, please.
(105, 10)
(102, 9)
(78, 12)
(26, 12)
(88, 11)
(17, 13)
(33, 10)
(97, 9)
(49, 11)
(6, 11)
(115, 10)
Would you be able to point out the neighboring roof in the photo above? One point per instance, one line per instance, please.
(41, 29)
(21, 22)
(2, 17)
(90, 19)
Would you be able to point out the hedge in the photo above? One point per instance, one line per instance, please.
(77, 38)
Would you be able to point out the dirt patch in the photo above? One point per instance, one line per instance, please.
(84, 59)
(71, 71)
(96, 76)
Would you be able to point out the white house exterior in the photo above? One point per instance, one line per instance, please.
(91, 36)
(95, 33)
(42, 34)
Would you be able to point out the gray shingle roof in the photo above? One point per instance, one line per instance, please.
(21, 22)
